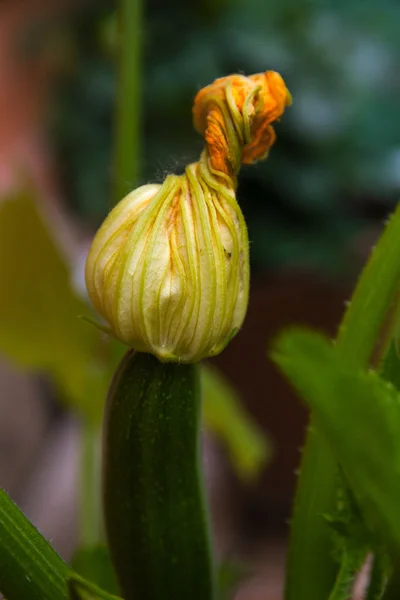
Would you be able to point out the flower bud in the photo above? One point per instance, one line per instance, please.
(169, 268)
(235, 114)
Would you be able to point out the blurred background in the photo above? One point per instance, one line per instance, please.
(314, 210)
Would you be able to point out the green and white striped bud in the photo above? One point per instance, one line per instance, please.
(169, 268)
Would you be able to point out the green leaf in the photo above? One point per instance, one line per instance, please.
(95, 564)
(360, 415)
(39, 325)
(155, 515)
(248, 447)
(29, 567)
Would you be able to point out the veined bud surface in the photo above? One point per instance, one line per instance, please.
(169, 268)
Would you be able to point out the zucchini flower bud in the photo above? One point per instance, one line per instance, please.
(169, 268)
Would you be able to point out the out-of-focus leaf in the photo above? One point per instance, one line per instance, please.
(360, 415)
(247, 446)
(39, 312)
(95, 564)
(38, 309)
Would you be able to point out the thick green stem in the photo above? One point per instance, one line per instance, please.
(362, 340)
(155, 514)
(128, 108)
(29, 567)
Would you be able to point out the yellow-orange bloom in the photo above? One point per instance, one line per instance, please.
(235, 114)
(169, 268)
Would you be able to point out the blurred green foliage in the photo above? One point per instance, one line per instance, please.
(337, 159)
(353, 408)
(40, 327)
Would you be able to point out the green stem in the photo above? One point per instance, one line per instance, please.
(128, 109)
(310, 544)
(345, 579)
(155, 514)
(90, 487)
(363, 338)
(29, 567)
